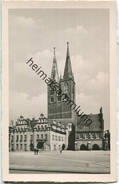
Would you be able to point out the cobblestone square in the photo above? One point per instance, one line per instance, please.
(69, 161)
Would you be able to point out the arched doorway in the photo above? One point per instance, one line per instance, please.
(95, 147)
(40, 145)
(83, 147)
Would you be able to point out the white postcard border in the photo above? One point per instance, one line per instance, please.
(111, 5)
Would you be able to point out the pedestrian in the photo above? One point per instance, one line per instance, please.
(37, 151)
(60, 150)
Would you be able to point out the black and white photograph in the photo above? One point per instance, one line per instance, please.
(58, 68)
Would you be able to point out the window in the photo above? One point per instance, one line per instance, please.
(59, 138)
(17, 138)
(31, 137)
(46, 136)
(93, 135)
(54, 147)
(37, 136)
(56, 138)
(42, 128)
(41, 136)
(20, 146)
(88, 135)
(12, 139)
(25, 147)
(51, 92)
(12, 147)
(77, 136)
(52, 100)
(21, 137)
(17, 146)
(81, 136)
(59, 98)
(52, 137)
(25, 138)
(65, 98)
(97, 135)
(100, 135)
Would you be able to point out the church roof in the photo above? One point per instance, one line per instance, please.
(68, 69)
(54, 72)
(91, 122)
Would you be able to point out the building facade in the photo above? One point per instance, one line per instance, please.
(40, 133)
(89, 134)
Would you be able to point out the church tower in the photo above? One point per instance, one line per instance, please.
(52, 96)
(68, 86)
(57, 107)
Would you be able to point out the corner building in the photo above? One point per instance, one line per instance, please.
(41, 133)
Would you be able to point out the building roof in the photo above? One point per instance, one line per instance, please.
(40, 124)
(54, 72)
(91, 122)
(68, 69)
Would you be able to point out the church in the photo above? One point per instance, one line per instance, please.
(85, 135)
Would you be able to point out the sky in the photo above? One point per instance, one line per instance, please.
(34, 33)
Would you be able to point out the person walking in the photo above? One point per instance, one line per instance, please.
(60, 150)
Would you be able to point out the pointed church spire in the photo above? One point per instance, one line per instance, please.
(68, 55)
(68, 69)
(54, 52)
(54, 72)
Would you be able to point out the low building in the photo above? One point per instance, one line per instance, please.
(90, 132)
(39, 133)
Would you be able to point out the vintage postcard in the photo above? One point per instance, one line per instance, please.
(59, 69)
